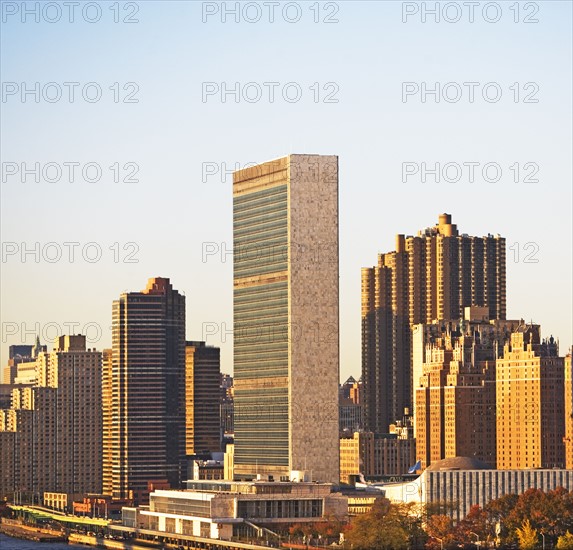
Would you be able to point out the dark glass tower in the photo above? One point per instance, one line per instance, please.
(147, 390)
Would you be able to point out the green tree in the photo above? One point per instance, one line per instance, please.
(565, 542)
(527, 536)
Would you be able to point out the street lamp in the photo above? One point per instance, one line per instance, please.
(478, 542)
(441, 542)
(543, 538)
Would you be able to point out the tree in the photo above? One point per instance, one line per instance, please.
(386, 527)
(476, 522)
(440, 528)
(527, 536)
(565, 542)
(498, 511)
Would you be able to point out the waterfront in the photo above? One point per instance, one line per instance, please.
(9, 543)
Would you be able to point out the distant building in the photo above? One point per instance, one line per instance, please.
(148, 391)
(29, 444)
(433, 275)
(207, 469)
(228, 417)
(202, 399)
(26, 372)
(356, 455)
(57, 427)
(377, 456)
(350, 409)
(530, 383)
(349, 416)
(16, 354)
(286, 341)
(227, 405)
(350, 390)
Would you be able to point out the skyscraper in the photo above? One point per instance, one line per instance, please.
(286, 349)
(202, 399)
(433, 275)
(148, 390)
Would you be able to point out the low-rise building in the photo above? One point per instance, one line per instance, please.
(225, 509)
(460, 482)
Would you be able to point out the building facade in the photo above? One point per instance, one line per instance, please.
(223, 509)
(57, 427)
(433, 275)
(462, 482)
(148, 390)
(16, 354)
(568, 413)
(202, 399)
(107, 417)
(286, 343)
(377, 456)
(455, 392)
(530, 385)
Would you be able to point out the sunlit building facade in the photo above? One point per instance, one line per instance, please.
(286, 344)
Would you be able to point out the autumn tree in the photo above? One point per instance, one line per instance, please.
(527, 536)
(565, 542)
(476, 521)
(386, 526)
(498, 511)
(441, 532)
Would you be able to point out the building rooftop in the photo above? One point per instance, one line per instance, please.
(459, 463)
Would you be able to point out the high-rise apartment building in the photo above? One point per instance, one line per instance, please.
(433, 275)
(530, 384)
(76, 373)
(286, 346)
(202, 399)
(148, 390)
(57, 425)
(568, 412)
(107, 418)
(454, 377)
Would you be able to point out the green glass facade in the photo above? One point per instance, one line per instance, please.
(260, 225)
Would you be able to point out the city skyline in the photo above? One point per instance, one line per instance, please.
(183, 196)
(287, 273)
(212, 332)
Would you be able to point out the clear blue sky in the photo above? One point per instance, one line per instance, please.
(172, 210)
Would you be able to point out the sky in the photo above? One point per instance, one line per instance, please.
(170, 97)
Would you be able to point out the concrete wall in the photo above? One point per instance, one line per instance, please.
(314, 315)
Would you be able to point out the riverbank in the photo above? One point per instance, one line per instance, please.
(31, 533)
(36, 535)
(89, 540)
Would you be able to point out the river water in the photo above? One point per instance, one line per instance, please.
(8, 543)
